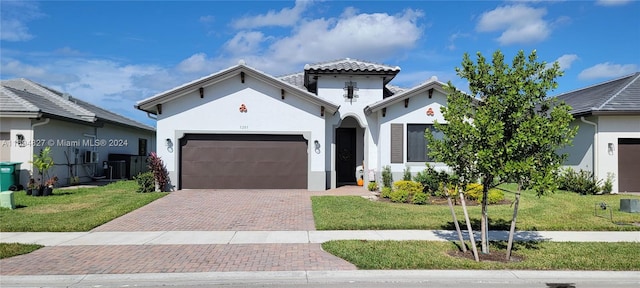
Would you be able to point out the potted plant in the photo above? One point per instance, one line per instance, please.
(44, 162)
(48, 186)
(33, 188)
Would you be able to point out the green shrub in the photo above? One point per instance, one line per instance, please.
(473, 191)
(410, 186)
(387, 178)
(581, 182)
(420, 198)
(494, 196)
(372, 186)
(399, 196)
(607, 187)
(406, 175)
(430, 179)
(386, 192)
(146, 182)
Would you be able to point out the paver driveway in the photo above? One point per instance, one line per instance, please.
(196, 210)
(221, 210)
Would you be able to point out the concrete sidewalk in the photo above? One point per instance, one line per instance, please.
(292, 237)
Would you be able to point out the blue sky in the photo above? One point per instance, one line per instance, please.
(115, 53)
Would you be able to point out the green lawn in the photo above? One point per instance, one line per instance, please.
(560, 211)
(385, 255)
(14, 249)
(73, 210)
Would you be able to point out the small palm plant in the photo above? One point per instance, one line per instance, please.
(44, 162)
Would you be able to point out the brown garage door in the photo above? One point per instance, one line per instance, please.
(629, 165)
(227, 161)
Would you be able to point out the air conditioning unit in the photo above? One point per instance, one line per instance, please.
(90, 157)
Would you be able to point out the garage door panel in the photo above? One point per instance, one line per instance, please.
(243, 162)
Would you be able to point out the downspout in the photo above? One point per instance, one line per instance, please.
(595, 146)
(152, 117)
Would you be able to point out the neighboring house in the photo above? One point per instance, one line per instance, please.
(243, 128)
(608, 139)
(81, 135)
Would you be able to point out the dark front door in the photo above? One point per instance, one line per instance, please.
(345, 155)
(629, 165)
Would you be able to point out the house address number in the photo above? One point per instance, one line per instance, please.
(244, 127)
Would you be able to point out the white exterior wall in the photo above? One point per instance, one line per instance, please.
(68, 141)
(610, 128)
(64, 137)
(15, 126)
(580, 153)
(415, 113)
(369, 91)
(218, 112)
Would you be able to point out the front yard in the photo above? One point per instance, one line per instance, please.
(73, 210)
(559, 211)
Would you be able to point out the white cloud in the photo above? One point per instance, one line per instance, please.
(566, 60)
(15, 15)
(197, 63)
(518, 23)
(607, 70)
(353, 35)
(285, 17)
(245, 42)
(612, 2)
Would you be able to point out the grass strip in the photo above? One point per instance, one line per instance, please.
(401, 255)
(14, 249)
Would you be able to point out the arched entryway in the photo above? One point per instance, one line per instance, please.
(349, 150)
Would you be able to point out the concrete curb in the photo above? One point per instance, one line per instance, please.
(606, 278)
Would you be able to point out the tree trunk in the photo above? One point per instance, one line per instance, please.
(455, 220)
(512, 231)
(484, 222)
(466, 217)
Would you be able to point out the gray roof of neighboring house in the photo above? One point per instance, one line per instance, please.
(12, 102)
(618, 96)
(39, 98)
(46, 101)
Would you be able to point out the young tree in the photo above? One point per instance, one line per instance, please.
(513, 131)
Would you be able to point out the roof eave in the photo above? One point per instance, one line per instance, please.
(20, 114)
(403, 95)
(149, 105)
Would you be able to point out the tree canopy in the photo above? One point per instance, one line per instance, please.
(505, 129)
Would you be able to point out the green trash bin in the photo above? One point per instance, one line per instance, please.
(9, 175)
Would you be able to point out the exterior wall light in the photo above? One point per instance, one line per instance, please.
(169, 143)
(610, 148)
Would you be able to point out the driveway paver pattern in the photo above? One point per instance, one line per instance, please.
(126, 259)
(221, 210)
(197, 210)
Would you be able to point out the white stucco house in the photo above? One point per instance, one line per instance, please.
(243, 128)
(608, 139)
(81, 135)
